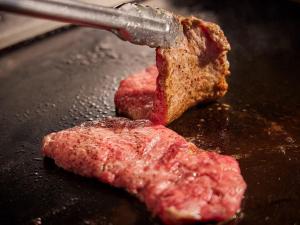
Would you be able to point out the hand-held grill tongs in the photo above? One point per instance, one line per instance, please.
(135, 23)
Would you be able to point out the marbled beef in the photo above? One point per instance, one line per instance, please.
(177, 181)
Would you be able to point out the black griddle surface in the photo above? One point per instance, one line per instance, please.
(71, 77)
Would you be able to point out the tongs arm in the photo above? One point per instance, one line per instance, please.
(135, 23)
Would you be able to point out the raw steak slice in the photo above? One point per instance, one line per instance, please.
(191, 72)
(177, 181)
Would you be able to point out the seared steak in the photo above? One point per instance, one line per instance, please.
(193, 71)
(177, 181)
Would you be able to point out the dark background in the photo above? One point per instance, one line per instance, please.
(70, 76)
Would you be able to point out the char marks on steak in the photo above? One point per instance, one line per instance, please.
(177, 181)
(193, 71)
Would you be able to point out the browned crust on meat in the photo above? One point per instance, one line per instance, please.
(195, 70)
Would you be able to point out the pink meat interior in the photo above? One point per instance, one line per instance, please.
(139, 97)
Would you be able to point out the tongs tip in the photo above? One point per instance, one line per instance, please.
(149, 26)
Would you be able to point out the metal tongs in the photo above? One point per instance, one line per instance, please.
(135, 23)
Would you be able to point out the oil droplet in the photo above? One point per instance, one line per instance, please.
(37, 159)
(37, 221)
(112, 55)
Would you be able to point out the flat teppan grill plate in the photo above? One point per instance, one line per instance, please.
(71, 77)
